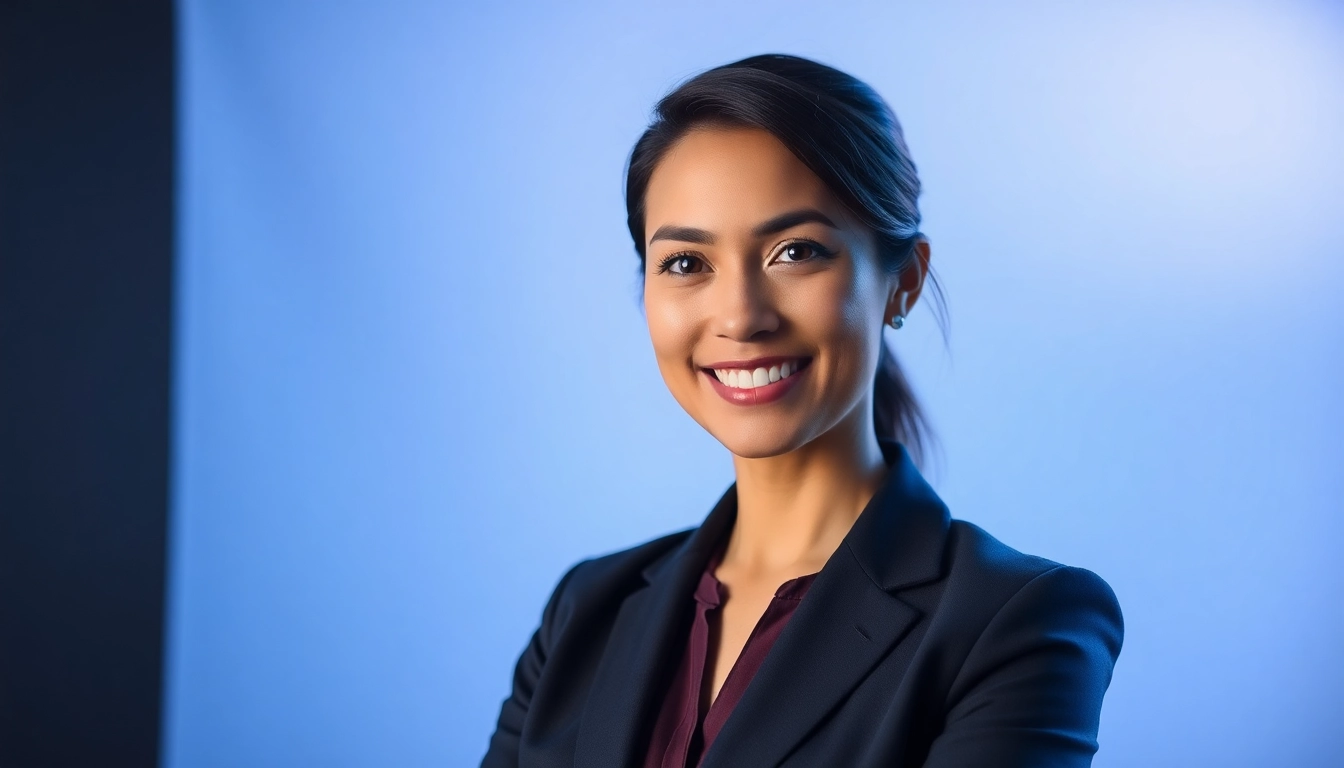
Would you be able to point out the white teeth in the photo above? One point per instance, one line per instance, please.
(744, 379)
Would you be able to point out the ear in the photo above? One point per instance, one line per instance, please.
(910, 281)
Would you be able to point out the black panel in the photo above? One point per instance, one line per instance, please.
(86, 256)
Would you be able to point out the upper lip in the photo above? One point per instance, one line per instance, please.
(755, 362)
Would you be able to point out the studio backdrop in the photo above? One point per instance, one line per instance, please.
(412, 383)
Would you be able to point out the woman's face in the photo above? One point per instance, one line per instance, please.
(764, 296)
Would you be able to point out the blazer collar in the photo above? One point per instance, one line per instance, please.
(897, 539)
(899, 536)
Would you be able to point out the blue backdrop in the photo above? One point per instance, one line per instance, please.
(413, 383)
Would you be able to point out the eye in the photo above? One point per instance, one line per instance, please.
(681, 264)
(803, 250)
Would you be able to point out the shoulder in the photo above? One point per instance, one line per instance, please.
(1007, 589)
(608, 578)
(622, 566)
(1023, 648)
(976, 557)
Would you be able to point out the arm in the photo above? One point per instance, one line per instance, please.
(1030, 691)
(503, 749)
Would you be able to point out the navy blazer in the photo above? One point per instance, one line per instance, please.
(923, 641)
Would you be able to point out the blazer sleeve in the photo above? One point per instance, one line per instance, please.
(503, 749)
(1030, 691)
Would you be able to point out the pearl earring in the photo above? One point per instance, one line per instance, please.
(898, 319)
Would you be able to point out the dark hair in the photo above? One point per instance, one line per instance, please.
(841, 129)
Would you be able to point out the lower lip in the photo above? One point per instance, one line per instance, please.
(756, 395)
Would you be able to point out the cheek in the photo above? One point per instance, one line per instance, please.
(671, 330)
(846, 322)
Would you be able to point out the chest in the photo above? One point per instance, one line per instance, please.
(731, 625)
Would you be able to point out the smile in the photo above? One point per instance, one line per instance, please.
(756, 382)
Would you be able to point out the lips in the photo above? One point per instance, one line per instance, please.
(757, 381)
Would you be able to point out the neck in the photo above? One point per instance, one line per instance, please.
(793, 510)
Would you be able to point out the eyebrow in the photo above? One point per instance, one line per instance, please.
(777, 224)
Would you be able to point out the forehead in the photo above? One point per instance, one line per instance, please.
(725, 178)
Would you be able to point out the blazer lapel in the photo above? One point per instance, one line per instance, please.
(649, 631)
(846, 623)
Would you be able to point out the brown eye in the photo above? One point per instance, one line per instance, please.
(681, 264)
(803, 250)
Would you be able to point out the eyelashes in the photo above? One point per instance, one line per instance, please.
(666, 263)
(820, 251)
(689, 259)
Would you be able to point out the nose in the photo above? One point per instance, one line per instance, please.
(743, 307)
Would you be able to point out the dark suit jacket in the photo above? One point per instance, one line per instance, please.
(922, 641)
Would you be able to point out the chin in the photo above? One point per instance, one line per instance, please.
(754, 442)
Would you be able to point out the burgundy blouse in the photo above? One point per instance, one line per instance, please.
(685, 730)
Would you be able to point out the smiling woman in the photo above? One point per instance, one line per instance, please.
(774, 263)
(828, 611)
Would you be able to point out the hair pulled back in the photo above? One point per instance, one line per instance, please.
(846, 134)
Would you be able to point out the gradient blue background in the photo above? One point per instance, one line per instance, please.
(414, 385)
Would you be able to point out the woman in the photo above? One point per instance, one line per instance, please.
(828, 603)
